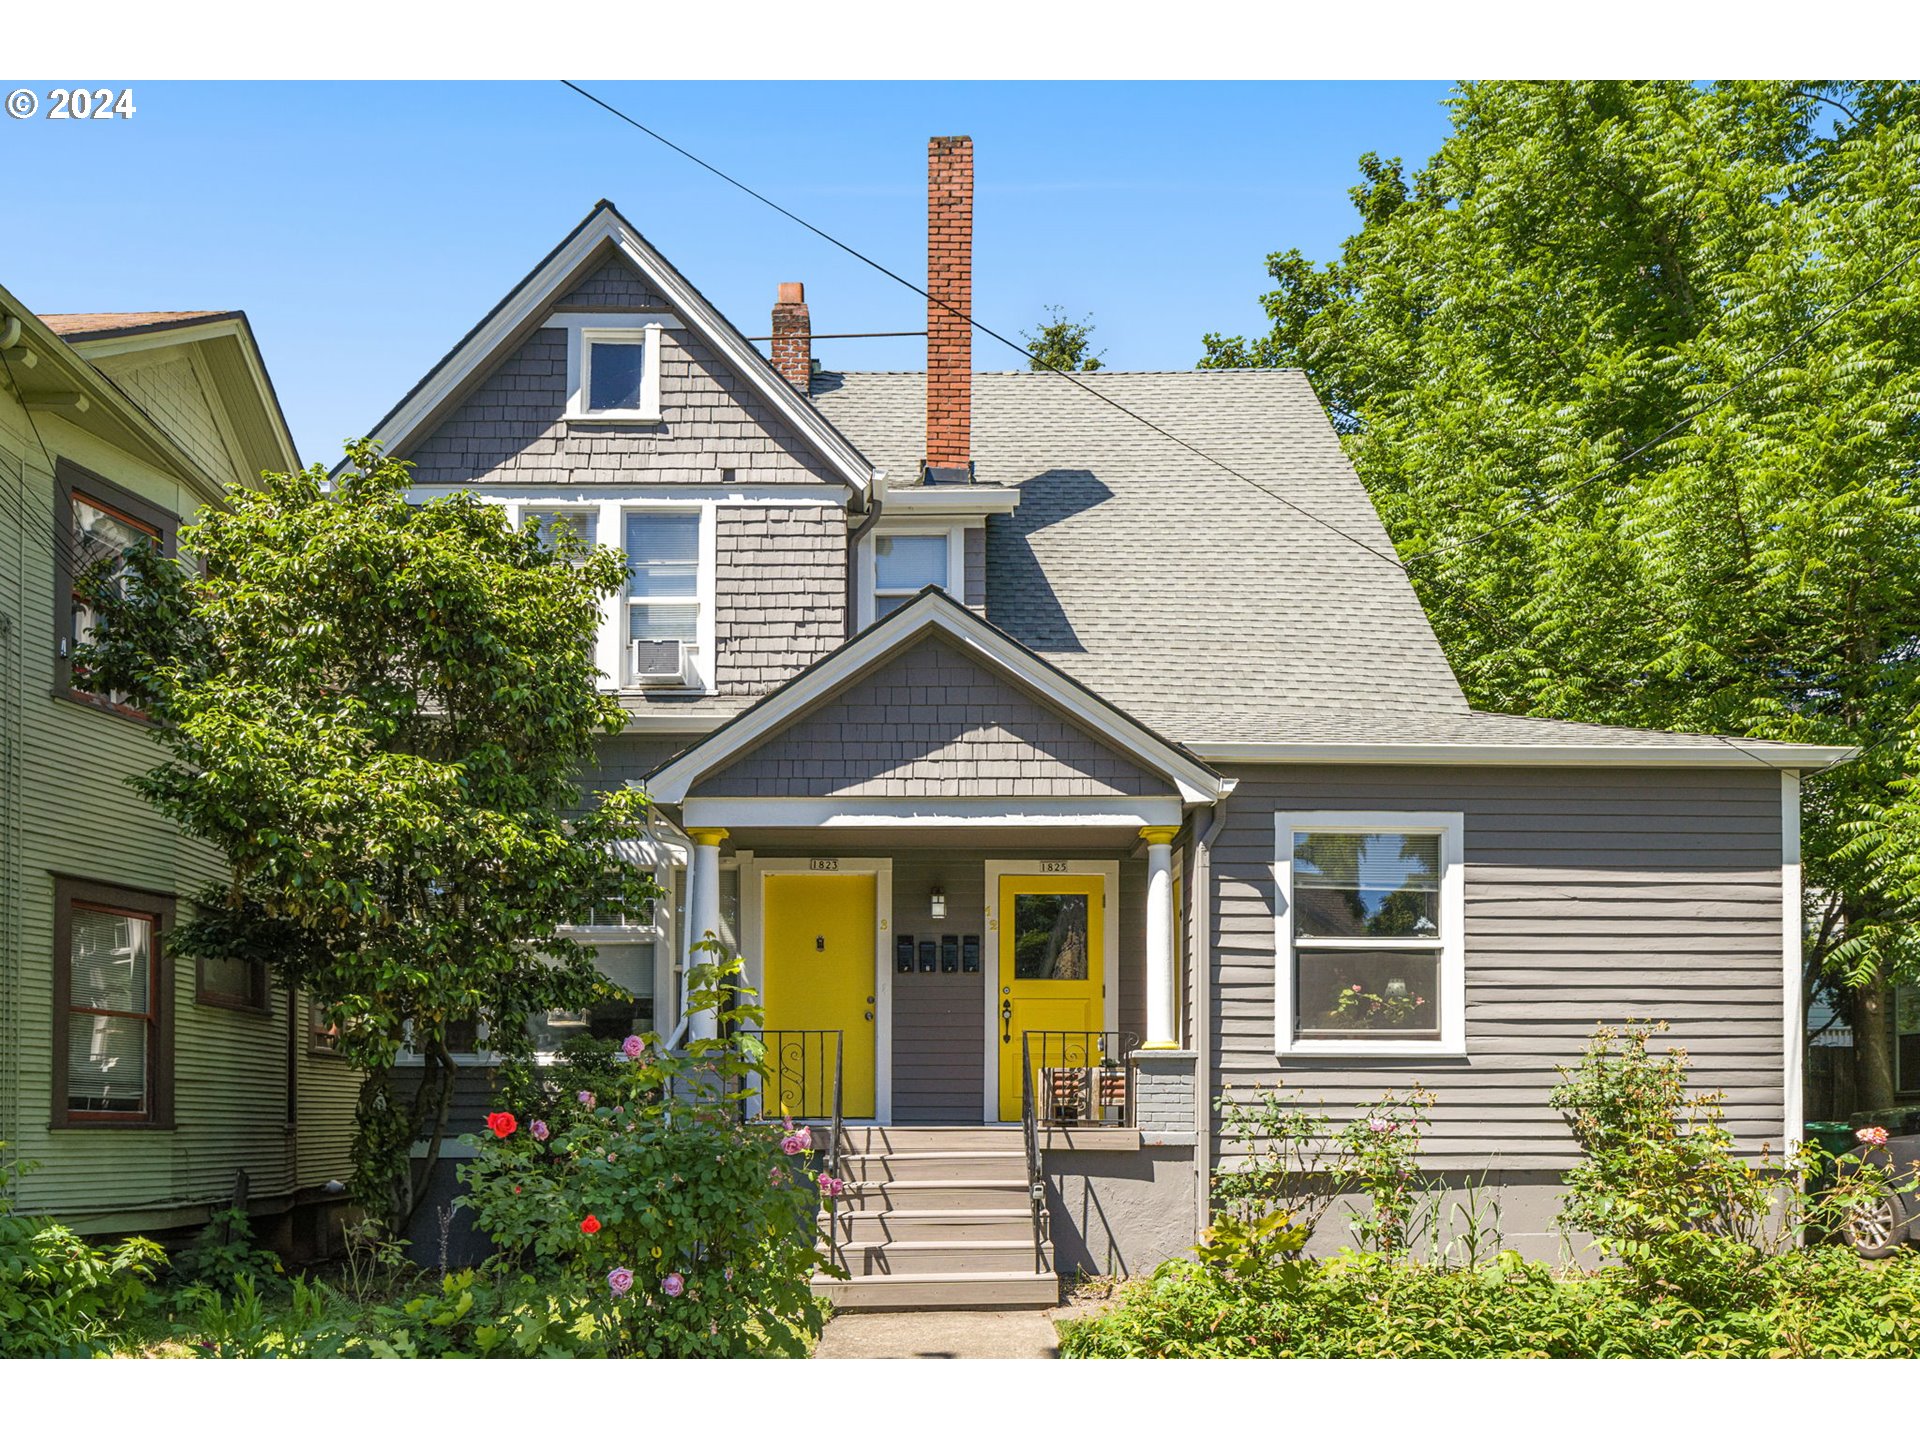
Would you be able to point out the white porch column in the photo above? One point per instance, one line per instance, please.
(703, 920)
(1163, 1009)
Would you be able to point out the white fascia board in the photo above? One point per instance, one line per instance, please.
(538, 291)
(954, 500)
(928, 812)
(593, 492)
(932, 611)
(1719, 757)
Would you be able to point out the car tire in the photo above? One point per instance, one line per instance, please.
(1878, 1228)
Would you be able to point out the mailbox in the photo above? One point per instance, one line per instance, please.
(903, 955)
(970, 954)
(949, 954)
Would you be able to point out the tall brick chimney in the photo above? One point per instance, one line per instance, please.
(949, 331)
(793, 335)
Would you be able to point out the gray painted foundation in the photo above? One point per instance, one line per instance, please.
(1120, 1212)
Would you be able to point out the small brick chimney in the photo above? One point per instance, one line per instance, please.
(793, 336)
(949, 327)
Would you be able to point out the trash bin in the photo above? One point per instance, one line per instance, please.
(1833, 1136)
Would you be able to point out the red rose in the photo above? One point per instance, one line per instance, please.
(590, 1225)
(502, 1124)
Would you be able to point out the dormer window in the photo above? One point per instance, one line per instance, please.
(613, 371)
(900, 563)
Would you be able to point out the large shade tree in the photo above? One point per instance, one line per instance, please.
(1632, 372)
(376, 711)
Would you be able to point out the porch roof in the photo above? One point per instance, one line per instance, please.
(1165, 771)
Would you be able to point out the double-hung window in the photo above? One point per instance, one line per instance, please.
(549, 525)
(905, 564)
(663, 587)
(112, 1043)
(1370, 934)
(95, 524)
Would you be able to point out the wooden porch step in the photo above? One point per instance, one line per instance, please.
(948, 1194)
(1007, 1290)
(874, 1227)
(901, 1139)
(939, 1257)
(937, 1165)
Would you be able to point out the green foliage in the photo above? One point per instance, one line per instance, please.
(1509, 343)
(375, 710)
(1062, 344)
(59, 1295)
(224, 1254)
(653, 1213)
(1264, 1246)
(1822, 1302)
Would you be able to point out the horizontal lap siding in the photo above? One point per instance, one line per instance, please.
(939, 1020)
(78, 817)
(1590, 896)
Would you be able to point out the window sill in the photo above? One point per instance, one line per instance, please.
(73, 1122)
(1371, 1049)
(613, 417)
(98, 706)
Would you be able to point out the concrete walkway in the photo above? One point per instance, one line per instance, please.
(939, 1335)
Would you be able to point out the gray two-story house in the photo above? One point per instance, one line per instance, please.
(1052, 778)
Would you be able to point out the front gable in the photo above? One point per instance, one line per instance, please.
(934, 702)
(932, 721)
(495, 405)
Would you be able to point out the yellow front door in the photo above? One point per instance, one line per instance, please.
(817, 975)
(1051, 974)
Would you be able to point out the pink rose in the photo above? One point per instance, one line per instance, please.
(832, 1186)
(585, 1097)
(1356, 989)
(539, 1128)
(633, 1047)
(673, 1286)
(620, 1280)
(1871, 1135)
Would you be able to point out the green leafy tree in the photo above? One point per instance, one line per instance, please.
(1632, 372)
(375, 710)
(1062, 344)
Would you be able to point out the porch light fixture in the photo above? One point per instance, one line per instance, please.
(937, 901)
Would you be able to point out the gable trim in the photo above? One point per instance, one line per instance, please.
(934, 612)
(401, 427)
(928, 812)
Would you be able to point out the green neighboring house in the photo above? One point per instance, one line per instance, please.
(138, 1085)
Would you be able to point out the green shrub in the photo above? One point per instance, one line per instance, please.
(60, 1295)
(1822, 1302)
(659, 1221)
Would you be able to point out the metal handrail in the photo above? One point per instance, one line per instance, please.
(1036, 1181)
(794, 1069)
(1073, 1075)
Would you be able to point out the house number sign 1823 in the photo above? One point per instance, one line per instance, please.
(818, 864)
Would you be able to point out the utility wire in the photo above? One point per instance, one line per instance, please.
(1394, 560)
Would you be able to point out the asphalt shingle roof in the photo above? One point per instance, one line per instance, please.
(1203, 607)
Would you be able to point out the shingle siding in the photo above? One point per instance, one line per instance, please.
(780, 593)
(932, 722)
(509, 428)
(1591, 896)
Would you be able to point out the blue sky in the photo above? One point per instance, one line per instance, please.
(365, 227)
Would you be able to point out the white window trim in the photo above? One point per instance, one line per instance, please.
(581, 338)
(610, 529)
(956, 582)
(1450, 826)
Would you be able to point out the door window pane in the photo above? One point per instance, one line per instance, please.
(909, 562)
(613, 375)
(1050, 937)
(1378, 885)
(1353, 994)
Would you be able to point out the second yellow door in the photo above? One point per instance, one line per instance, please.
(1052, 973)
(817, 975)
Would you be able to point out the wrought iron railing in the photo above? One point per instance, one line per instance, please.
(804, 1080)
(1069, 1079)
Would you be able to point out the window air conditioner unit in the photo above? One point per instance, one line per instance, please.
(661, 664)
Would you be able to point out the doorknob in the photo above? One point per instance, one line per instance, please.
(1006, 1022)
(869, 1014)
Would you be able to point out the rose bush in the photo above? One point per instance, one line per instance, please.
(684, 1228)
